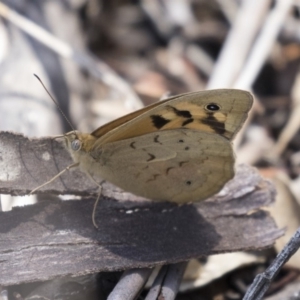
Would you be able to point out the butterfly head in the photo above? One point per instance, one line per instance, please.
(78, 143)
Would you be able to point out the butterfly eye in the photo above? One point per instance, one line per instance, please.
(212, 107)
(76, 145)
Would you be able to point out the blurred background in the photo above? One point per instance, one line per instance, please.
(103, 59)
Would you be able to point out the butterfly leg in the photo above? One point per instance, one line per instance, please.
(92, 179)
(95, 207)
(55, 177)
(97, 200)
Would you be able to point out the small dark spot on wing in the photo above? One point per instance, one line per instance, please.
(156, 140)
(169, 169)
(182, 163)
(132, 145)
(151, 157)
(188, 182)
(154, 177)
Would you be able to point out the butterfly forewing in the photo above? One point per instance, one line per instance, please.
(190, 111)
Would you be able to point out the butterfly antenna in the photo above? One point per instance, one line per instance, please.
(38, 78)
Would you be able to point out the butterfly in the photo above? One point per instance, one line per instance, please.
(176, 150)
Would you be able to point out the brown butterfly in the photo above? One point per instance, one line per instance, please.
(176, 150)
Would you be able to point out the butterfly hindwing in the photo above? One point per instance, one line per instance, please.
(173, 165)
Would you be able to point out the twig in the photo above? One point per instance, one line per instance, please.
(157, 284)
(130, 284)
(200, 59)
(264, 43)
(238, 43)
(288, 132)
(262, 281)
(172, 281)
(293, 124)
(87, 61)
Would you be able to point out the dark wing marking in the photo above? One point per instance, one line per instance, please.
(159, 121)
(214, 124)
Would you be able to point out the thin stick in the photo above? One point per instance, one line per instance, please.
(263, 44)
(238, 43)
(262, 281)
(157, 284)
(172, 281)
(130, 284)
(55, 177)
